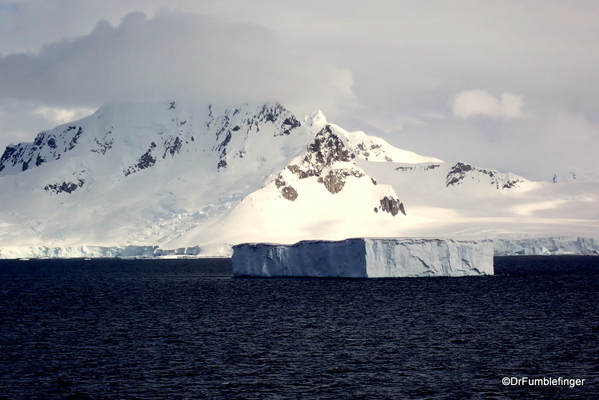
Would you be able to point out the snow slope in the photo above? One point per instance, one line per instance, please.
(182, 174)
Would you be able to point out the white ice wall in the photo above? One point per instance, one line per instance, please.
(546, 246)
(361, 258)
(94, 252)
(427, 257)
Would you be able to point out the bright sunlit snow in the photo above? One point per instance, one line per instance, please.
(180, 174)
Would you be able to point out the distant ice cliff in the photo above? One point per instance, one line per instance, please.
(546, 246)
(383, 250)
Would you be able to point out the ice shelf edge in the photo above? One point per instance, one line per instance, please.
(364, 258)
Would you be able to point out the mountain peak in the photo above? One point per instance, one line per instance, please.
(316, 120)
(177, 174)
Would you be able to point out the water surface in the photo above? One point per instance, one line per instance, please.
(186, 329)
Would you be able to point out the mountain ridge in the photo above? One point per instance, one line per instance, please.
(178, 174)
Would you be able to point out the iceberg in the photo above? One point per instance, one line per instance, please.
(559, 245)
(364, 258)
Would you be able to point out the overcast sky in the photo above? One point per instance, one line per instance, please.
(508, 85)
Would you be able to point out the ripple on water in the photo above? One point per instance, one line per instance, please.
(186, 329)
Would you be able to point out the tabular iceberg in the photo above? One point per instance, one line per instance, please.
(546, 246)
(364, 258)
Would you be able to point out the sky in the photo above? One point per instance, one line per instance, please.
(507, 85)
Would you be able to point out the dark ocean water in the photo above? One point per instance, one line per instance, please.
(186, 329)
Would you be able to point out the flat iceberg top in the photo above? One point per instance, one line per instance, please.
(379, 239)
(365, 258)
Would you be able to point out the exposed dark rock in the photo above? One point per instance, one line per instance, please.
(222, 146)
(39, 139)
(172, 146)
(328, 148)
(67, 187)
(43, 149)
(104, 145)
(366, 151)
(270, 112)
(145, 161)
(52, 143)
(421, 168)
(325, 149)
(289, 124)
(40, 160)
(75, 138)
(289, 193)
(392, 206)
(458, 172)
(334, 180)
(373, 181)
(511, 184)
(224, 126)
(299, 172)
(8, 153)
(173, 105)
(280, 182)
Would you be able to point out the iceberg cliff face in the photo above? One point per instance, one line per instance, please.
(364, 258)
(546, 246)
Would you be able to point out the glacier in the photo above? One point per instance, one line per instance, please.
(45, 252)
(364, 258)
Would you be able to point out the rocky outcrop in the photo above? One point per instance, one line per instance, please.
(46, 147)
(327, 158)
(335, 179)
(66, 187)
(460, 171)
(428, 167)
(289, 193)
(330, 159)
(391, 205)
(145, 161)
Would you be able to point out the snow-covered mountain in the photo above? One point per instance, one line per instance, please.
(182, 174)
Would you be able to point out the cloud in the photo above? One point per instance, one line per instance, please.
(478, 103)
(63, 115)
(173, 55)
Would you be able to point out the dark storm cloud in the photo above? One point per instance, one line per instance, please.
(507, 84)
(172, 55)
